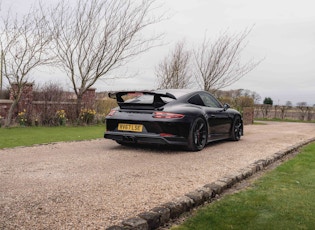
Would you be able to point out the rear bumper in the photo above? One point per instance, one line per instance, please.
(140, 138)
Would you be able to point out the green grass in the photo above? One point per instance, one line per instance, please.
(282, 199)
(20, 136)
(258, 123)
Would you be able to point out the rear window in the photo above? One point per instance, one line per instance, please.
(146, 99)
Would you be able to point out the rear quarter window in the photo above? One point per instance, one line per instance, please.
(196, 100)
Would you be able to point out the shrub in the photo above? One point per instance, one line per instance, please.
(87, 115)
(22, 118)
(61, 117)
(268, 101)
(104, 106)
(100, 118)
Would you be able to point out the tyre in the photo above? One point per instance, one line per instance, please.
(198, 135)
(237, 129)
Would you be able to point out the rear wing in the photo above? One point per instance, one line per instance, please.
(157, 99)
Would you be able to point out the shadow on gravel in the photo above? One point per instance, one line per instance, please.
(163, 149)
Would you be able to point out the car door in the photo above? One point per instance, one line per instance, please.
(218, 118)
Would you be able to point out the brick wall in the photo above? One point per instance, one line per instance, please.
(26, 102)
(4, 107)
(248, 115)
(89, 98)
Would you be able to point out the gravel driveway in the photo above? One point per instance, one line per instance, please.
(95, 184)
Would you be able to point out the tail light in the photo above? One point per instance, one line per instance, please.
(166, 115)
(111, 113)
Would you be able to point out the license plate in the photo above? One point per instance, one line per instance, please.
(130, 127)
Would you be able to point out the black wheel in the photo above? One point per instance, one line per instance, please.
(198, 135)
(237, 129)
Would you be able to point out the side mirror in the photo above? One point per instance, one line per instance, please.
(226, 106)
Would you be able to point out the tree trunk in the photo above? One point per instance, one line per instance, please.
(10, 114)
(79, 105)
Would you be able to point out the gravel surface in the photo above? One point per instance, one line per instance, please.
(95, 184)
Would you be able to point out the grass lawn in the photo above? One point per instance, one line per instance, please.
(27, 136)
(282, 199)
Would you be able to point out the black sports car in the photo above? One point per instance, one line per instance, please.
(172, 117)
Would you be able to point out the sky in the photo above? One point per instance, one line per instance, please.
(283, 35)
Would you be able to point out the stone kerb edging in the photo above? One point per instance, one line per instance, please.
(162, 214)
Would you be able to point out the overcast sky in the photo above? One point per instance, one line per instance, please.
(283, 34)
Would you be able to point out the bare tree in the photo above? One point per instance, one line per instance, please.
(284, 109)
(173, 71)
(288, 104)
(310, 113)
(265, 109)
(95, 37)
(303, 108)
(256, 97)
(218, 63)
(24, 44)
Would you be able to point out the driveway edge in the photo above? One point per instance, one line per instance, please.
(160, 215)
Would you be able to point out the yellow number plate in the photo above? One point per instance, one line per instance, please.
(130, 127)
